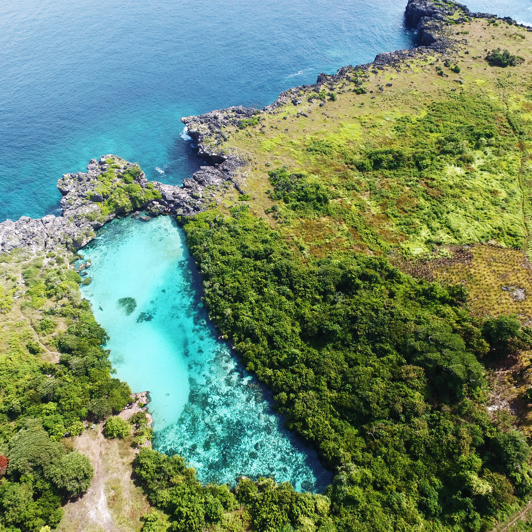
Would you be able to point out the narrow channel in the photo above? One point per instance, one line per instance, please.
(145, 292)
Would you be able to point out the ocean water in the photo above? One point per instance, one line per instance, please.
(205, 405)
(519, 10)
(82, 78)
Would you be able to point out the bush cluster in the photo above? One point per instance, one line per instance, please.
(502, 58)
(42, 402)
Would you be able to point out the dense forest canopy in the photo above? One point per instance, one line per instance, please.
(383, 373)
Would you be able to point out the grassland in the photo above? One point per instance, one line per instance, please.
(434, 156)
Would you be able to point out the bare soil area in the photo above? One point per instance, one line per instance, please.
(113, 503)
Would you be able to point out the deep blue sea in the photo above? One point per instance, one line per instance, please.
(83, 78)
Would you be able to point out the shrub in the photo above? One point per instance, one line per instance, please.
(116, 427)
(34, 348)
(46, 326)
(502, 59)
(501, 329)
(132, 174)
(6, 300)
(139, 418)
(248, 122)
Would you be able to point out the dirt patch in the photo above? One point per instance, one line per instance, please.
(509, 380)
(140, 401)
(498, 280)
(426, 268)
(113, 503)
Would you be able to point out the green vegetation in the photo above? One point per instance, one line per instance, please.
(374, 368)
(327, 284)
(502, 59)
(121, 191)
(116, 427)
(376, 280)
(243, 124)
(142, 432)
(44, 398)
(442, 178)
(172, 487)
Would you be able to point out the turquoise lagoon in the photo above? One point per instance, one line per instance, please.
(205, 405)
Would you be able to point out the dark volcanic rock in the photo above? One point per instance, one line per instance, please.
(81, 215)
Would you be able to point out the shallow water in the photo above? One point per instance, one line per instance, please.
(205, 405)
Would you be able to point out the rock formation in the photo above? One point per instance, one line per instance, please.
(431, 20)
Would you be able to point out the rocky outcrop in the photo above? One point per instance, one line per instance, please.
(196, 193)
(207, 130)
(81, 215)
(82, 201)
(429, 18)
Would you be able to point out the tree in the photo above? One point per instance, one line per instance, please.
(116, 427)
(31, 451)
(73, 473)
(3, 464)
(513, 450)
(100, 408)
(502, 59)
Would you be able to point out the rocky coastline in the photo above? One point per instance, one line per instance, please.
(433, 22)
(81, 214)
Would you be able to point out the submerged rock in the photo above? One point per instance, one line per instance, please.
(128, 304)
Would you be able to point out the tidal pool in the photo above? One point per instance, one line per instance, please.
(145, 292)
